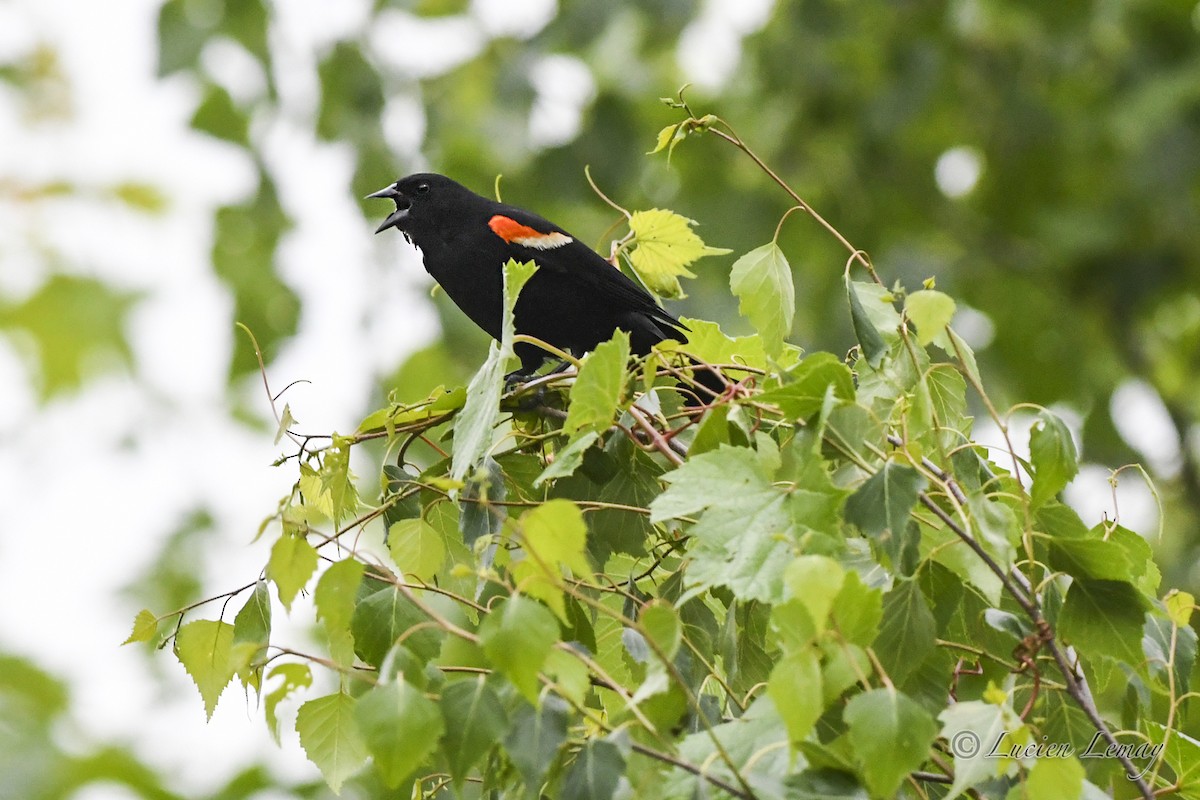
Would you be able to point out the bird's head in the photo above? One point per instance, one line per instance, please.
(419, 200)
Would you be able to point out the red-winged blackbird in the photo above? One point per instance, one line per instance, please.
(574, 301)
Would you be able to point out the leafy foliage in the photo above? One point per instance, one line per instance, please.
(781, 593)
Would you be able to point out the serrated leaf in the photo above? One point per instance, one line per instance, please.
(667, 137)
(383, 617)
(1182, 752)
(874, 348)
(286, 421)
(907, 631)
(817, 375)
(795, 686)
(416, 547)
(473, 425)
(400, 727)
(1104, 618)
(931, 311)
(708, 343)
(204, 648)
(474, 719)
(664, 246)
(595, 773)
(568, 459)
(762, 282)
(881, 506)
(662, 626)
(145, 625)
(815, 582)
(891, 736)
(330, 737)
(1180, 605)
(334, 598)
(252, 633)
(293, 561)
(330, 490)
(554, 537)
(517, 638)
(858, 610)
(294, 676)
(1055, 779)
(972, 728)
(1052, 453)
(534, 739)
(599, 388)
(555, 534)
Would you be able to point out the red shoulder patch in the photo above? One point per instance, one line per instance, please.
(514, 232)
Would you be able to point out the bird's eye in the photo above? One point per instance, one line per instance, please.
(422, 188)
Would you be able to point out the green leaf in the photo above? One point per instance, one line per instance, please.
(416, 548)
(795, 688)
(330, 737)
(891, 736)
(474, 719)
(293, 561)
(907, 632)
(218, 115)
(664, 246)
(1104, 618)
(595, 773)
(145, 626)
(252, 633)
(815, 582)
(972, 728)
(293, 676)
(1089, 558)
(665, 137)
(1052, 452)
(882, 505)
(708, 343)
(1180, 605)
(1182, 752)
(1055, 779)
(712, 478)
(334, 598)
(600, 387)
(555, 534)
(330, 490)
(72, 324)
(400, 727)
(517, 638)
(534, 739)
(858, 610)
(382, 618)
(568, 459)
(662, 626)
(204, 648)
(762, 282)
(931, 311)
(473, 425)
(815, 376)
(869, 339)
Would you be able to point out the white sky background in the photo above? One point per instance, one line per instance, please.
(94, 481)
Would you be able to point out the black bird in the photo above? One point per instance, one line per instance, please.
(574, 301)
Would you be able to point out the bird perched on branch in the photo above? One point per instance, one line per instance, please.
(574, 301)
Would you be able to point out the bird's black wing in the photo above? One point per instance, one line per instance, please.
(530, 236)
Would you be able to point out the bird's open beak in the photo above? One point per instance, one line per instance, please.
(402, 207)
